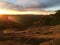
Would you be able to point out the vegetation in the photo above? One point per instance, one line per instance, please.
(53, 19)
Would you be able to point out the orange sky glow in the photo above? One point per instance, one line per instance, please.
(14, 12)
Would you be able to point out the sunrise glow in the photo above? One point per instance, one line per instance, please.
(13, 12)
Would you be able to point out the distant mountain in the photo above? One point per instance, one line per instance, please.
(25, 21)
(21, 22)
(8, 24)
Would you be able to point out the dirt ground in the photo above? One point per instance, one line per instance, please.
(44, 35)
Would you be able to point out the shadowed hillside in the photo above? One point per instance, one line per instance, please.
(30, 30)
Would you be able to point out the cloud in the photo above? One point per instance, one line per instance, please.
(38, 3)
(49, 3)
(6, 5)
(24, 4)
(28, 3)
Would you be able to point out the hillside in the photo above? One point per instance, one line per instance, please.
(7, 24)
(39, 30)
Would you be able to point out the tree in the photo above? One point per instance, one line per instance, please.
(56, 17)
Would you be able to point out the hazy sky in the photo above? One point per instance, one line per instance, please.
(41, 4)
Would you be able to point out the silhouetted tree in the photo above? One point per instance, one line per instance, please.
(53, 19)
(57, 17)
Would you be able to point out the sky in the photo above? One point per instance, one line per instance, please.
(50, 5)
